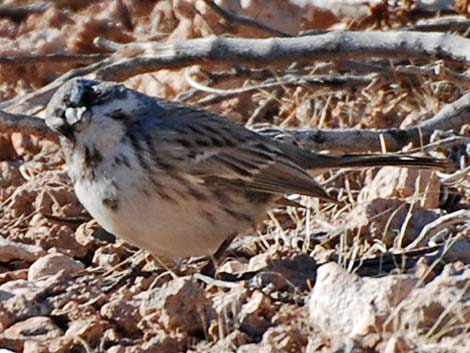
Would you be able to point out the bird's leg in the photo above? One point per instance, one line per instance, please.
(210, 268)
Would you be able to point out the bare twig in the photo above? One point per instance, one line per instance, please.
(441, 24)
(332, 45)
(451, 117)
(238, 71)
(461, 216)
(264, 107)
(253, 73)
(388, 261)
(137, 58)
(282, 50)
(19, 13)
(339, 81)
(105, 44)
(434, 70)
(26, 124)
(52, 58)
(245, 20)
(315, 80)
(448, 142)
(456, 177)
(32, 102)
(434, 5)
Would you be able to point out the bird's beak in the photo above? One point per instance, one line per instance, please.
(76, 115)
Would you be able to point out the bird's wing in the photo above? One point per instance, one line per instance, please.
(218, 151)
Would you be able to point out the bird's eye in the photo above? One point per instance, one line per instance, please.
(85, 95)
(91, 96)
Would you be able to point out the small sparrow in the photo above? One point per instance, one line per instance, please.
(177, 180)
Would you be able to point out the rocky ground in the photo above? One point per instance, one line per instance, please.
(363, 275)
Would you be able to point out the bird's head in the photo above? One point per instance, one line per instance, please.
(89, 106)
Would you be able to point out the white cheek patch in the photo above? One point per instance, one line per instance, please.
(74, 115)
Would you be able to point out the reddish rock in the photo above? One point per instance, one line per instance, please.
(275, 268)
(422, 186)
(180, 305)
(20, 300)
(255, 316)
(126, 315)
(90, 330)
(58, 238)
(163, 342)
(13, 275)
(11, 250)
(37, 329)
(51, 264)
(125, 349)
(10, 178)
(283, 338)
(109, 255)
(442, 304)
(108, 19)
(397, 344)
(395, 222)
(7, 150)
(91, 236)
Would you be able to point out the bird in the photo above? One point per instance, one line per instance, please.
(177, 180)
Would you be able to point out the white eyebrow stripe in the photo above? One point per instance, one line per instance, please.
(201, 156)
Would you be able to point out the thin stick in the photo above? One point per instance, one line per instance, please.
(441, 24)
(444, 222)
(245, 20)
(146, 57)
(52, 58)
(451, 117)
(31, 101)
(330, 46)
(19, 13)
(25, 124)
(315, 80)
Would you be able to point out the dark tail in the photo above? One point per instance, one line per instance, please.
(322, 161)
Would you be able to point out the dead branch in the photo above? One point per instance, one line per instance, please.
(434, 5)
(244, 20)
(444, 222)
(333, 45)
(239, 71)
(138, 58)
(436, 69)
(31, 102)
(260, 74)
(25, 124)
(338, 81)
(52, 58)
(19, 13)
(451, 117)
(447, 143)
(433, 70)
(388, 261)
(383, 44)
(441, 24)
(108, 45)
(265, 107)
